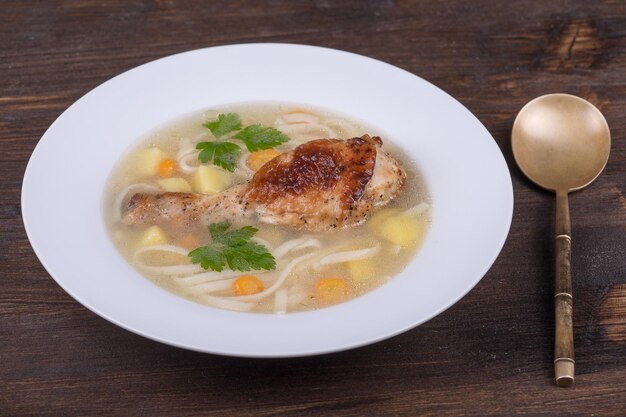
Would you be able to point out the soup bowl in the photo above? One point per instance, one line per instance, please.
(466, 175)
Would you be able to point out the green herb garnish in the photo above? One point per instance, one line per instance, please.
(225, 154)
(233, 248)
(222, 154)
(257, 137)
(225, 123)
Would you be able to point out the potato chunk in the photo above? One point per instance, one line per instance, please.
(211, 180)
(174, 185)
(153, 235)
(403, 230)
(148, 160)
(361, 271)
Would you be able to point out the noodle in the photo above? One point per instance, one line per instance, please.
(227, 304)
(280, 301)
(352, 255)
(187, 153)
(416, 210)
(205, 277)
(296, 295)
(180, 269)
(209, 287)
(171, 269)
(294, 118)
(185, 166)
(315, 130)
(295, 244)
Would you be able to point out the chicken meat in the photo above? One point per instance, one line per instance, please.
(321, 185)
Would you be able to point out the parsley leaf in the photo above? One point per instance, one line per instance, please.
(257, 137)
(247, 256)
(222, 154)
(218, 229)
(208, 258)
(235, 237)
(233, 248)
(225, 123)
(225, 154)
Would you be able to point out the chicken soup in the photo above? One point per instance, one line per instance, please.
(267, 208)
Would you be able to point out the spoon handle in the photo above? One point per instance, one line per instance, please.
(564, 335)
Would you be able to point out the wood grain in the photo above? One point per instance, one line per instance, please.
(613, 313)
(488, 355)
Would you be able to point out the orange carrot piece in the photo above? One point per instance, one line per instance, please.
(257, 159)
(332, 289)
(167, 167)
(248, 284)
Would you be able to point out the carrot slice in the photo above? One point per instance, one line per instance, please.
(332, 289)
(257, 159)
(167, 167)
(248, 284)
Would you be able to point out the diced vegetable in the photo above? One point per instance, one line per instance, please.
(153, 235)
(331, 289)
(174, 185)
(257, 159)
(373, 223)
(167, 167)
(210, 180)
(402, 230)
(148, 161)
(362, 271)
(248, 284)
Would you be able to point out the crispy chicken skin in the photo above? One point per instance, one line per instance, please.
(322, 185)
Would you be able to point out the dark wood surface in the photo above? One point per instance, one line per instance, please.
(488, 355)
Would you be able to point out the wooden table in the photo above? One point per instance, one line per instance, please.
(488, 355)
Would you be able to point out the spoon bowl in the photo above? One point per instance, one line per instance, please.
(561, 143)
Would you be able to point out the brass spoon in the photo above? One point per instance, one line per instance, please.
(561, 143)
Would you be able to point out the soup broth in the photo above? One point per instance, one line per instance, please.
(313, 269)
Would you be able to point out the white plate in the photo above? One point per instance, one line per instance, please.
(467, 176)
